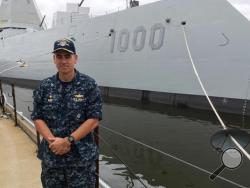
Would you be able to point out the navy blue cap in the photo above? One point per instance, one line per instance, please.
(64, 44)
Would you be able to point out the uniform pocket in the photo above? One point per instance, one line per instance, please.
(76, 106)
(51, 106)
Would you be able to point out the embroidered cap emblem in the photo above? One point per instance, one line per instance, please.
(63, 43)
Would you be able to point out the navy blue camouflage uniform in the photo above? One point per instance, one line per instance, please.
(64, 107)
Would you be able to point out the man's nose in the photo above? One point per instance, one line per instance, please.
(63, 59)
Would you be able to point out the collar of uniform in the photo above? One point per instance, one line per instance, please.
(74, 81)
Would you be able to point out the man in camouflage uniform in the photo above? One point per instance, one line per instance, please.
(67, 107)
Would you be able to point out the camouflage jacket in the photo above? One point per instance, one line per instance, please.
(64, 107)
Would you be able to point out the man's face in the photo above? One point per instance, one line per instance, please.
(65, 61)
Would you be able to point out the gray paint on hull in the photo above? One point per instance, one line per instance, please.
(227, 105)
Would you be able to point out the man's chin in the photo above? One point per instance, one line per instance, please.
(64, 70)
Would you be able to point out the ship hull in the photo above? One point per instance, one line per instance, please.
(143, 49)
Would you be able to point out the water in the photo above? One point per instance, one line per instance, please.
(176, 151)
(182, 134)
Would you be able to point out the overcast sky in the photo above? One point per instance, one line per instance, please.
(98, 7)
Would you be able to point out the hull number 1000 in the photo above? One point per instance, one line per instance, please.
(139, 37)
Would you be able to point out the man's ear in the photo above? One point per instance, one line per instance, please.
(76, 56)
(54, 58)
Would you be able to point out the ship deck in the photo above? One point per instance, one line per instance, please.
(19, 164)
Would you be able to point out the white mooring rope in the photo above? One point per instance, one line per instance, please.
(210, 102)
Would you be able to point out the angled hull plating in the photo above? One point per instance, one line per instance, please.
(143, 48)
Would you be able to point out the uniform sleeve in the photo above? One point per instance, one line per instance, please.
(94, 103)
(37, 104)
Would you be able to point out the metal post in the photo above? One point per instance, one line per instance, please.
(14, 103)
(2, 97)
(97, 161)
(38, 140)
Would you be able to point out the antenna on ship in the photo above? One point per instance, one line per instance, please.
(134, 3)
(80, 4)
(41, 24)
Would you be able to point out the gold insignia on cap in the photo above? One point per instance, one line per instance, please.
(78, 98)
(63, 42)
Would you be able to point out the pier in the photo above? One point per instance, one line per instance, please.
(19, 164)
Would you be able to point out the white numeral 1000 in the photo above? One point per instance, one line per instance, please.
(139, 38)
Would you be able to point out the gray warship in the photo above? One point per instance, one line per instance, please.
(139, 53)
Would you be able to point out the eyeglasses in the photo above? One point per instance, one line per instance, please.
(63, 56)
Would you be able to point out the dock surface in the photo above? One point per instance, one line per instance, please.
(19, 166)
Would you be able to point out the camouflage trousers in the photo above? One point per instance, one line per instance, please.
(69, 177)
